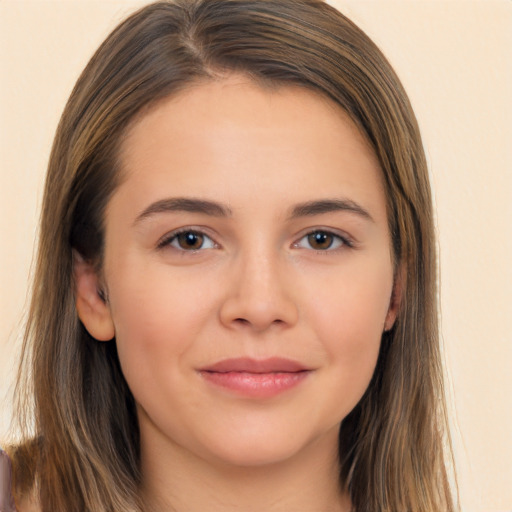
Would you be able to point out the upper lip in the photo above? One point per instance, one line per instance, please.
(248, 365)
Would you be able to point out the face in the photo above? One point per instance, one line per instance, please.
(248, 271)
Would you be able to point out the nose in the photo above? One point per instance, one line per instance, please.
(259, 295)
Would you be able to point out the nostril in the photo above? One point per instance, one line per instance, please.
(251, 310)
(244, 321)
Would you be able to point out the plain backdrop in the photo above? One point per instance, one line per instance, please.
(454, 58)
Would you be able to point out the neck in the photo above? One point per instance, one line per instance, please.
(178, 481)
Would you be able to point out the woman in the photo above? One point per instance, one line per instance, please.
(236, 276)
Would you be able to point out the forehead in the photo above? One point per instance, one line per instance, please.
(234, 138)
(237, 97)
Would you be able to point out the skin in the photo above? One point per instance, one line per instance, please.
(255, 286)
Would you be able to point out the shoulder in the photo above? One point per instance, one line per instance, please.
(6, 497)
(17, 472)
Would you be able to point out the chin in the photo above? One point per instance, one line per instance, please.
(254, 455)
(269, 446)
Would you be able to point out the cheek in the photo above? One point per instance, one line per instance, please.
(349, 316)
(156, 321)
(355, 300)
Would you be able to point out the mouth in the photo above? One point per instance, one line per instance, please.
(254, 378)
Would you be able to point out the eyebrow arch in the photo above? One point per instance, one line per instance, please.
(184, 204)
(311, 208)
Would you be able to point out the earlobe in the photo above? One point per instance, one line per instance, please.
(396, 298)
(92, 308)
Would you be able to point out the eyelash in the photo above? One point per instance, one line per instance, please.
(342, 241)
(169, 239)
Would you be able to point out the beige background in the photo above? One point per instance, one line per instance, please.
(454, 58)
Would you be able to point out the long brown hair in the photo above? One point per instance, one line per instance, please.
(84, 453)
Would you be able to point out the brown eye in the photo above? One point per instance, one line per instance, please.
(189, 240)
(320, 240)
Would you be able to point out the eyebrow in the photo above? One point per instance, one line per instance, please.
(214, 209)
(184, 204)
(312, 208)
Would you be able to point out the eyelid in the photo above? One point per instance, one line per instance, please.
(346, 241)
(165, 241)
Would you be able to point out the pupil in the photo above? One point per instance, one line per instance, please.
(320, 240)
(190, 240)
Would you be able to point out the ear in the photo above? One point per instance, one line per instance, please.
(92, 308)
(396, 297)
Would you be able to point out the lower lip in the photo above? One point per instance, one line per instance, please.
(256, 385)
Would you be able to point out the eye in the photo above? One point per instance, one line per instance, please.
(188, 240)
(322, 241)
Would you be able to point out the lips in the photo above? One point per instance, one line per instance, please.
(245, 364)
(254, 378)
